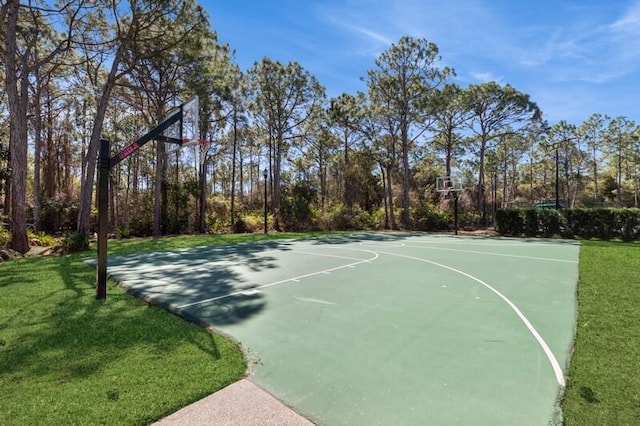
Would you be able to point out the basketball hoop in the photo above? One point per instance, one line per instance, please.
(450, 185)
(447, 185)
(191, 142)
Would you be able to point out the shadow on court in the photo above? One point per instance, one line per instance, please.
(174, 279)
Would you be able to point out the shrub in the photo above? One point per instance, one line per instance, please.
(509, 222)
(551, 222)
(430, 218)
(602, 223)
(123, 232)
(57, 215)
(5, 236)
(296, 206)
(74, 242)
(529, 222)
(42, 238)
(242, 227)
(627, 223)
(365, 220)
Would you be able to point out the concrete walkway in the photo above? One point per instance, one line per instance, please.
(242, 403)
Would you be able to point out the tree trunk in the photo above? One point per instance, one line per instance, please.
(86, 188)
(392, 216)
(37, 152)
(384, 190)
(595, 175)
(233, 165)
(202, 225)
(406, 180)
(481, 189)
(18, 102)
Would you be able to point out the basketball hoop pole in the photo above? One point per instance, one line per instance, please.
(455, 212)
(105, 164)
(103, 208)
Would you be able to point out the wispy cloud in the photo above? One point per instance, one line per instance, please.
(485, 77)
(373, 35)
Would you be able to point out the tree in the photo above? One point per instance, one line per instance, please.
(283, 98)
(619, 139)
(497, 111)
(451, 113)
(345, 118)
(402, 85)
(20, 44)
(591, 131)
(125, 39)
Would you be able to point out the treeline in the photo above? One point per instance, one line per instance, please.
(90, 69)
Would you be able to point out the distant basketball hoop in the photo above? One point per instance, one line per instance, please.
(450, 186)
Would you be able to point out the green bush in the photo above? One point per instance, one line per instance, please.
(123, 232)
(602, 223)
(431, 218)
(343, 218)
(529, 221)
(42, 237)
(5, 236)
(365, 220)
(296, 206)
(74, 242)
(627, 222)
(57, 215)
(509, 222)
(551, 222)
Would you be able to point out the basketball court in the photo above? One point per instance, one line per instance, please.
(384, 328)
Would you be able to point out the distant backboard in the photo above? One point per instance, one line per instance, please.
(448, 184)
(186, 129)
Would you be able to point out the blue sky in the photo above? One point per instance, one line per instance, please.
(573, 58)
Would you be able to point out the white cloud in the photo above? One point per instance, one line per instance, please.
(485, 77)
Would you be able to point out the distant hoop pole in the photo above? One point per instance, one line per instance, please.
(265, 175)
(455, 213)
(448, 185)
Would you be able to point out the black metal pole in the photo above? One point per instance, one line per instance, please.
(557, 180)
(455, 212)
(265, 174)
(103, 209)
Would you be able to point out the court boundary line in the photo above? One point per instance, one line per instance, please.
(548, 259)
(555, 365)
(293, 279)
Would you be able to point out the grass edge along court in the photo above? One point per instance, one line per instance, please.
(66, 358)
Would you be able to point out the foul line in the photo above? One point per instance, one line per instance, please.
(294, 279)
(555, 365)
(548, 259)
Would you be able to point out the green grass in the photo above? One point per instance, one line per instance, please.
(603, 386)
(66, 358)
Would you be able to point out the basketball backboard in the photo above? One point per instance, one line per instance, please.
(186, 129)
(448, 184)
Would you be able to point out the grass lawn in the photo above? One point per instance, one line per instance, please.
(603, 386)
(66, 358)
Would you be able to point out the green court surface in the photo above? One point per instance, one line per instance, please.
(380, 328)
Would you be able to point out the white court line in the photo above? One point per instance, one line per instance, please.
(392, 245)
(326, 255)
(478, 242)
(548, 259)
(555, 365)
(294, 279)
